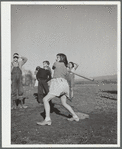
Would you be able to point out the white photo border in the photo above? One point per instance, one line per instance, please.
(6, 61)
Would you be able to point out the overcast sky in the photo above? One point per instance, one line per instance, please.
(87, 34)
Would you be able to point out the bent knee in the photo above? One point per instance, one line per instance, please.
(45, 99)
(48, 97)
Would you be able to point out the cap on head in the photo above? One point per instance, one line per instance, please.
(16, 55)
(47, 62)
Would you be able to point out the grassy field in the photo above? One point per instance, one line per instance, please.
(99, 102)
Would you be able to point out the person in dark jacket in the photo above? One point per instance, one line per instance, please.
(43, 76)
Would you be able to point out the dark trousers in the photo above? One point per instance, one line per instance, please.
(43, 90)
(16, 86)
(43, 87)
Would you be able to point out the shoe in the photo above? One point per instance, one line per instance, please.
(24, 107)
(44, 123)
(73, 119)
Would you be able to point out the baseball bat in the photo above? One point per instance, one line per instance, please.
(90, 79)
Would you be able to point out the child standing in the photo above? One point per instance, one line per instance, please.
(43, 76)
(71, 67)
(58, 87)
(16, 78)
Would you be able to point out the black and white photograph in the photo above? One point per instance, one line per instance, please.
(60, 74)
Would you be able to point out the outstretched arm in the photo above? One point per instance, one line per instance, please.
(75, 66)
(54, 66)
(35, 72)
(24, 60)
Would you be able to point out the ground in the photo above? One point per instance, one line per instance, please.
(99, 128)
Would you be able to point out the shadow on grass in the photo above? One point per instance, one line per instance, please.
(111, 92)
(54, 110)
(108, 97)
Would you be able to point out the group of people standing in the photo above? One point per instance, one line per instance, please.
(60, 85)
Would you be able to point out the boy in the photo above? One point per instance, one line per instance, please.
(45, 87)
(43, 76)
(16, 79)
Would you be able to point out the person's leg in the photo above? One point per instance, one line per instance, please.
(20, 91)
(71, 89)
(36, 94)
(45, 87)
(40, 92)
(46, 90)
(46, 100)
(68, 107)
(71, 93)
(13, 90)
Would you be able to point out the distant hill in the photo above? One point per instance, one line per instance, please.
(104, 79)
(108, 77)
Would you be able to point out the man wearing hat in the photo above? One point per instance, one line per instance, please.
(16, 78)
